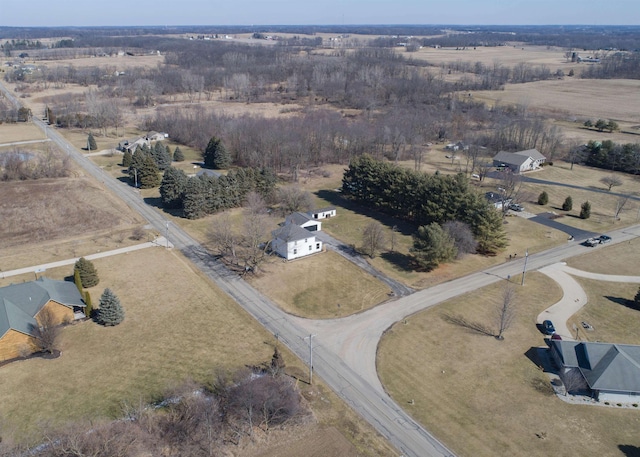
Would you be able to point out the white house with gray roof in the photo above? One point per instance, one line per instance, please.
(612, 371)
(520, 161)
(292, 241)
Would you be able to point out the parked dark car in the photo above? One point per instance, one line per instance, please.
(604, 238)
(548, 328)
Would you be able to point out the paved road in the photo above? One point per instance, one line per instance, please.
(345, 349)
(546, 220)
(399, 289)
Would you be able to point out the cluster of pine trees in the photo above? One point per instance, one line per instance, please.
(613, 156)
(424, 199)
(146, 163)
(202, 195)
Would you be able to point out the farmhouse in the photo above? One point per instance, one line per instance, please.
(612, 371)
(292, 241)
(520, 161)
(20, 305)
(132, 144)
(496, 199)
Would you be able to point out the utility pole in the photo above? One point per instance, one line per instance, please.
(310, 337)
(524, 271)
(135, 177)
(167, 233)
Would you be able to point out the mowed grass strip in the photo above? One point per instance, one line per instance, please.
(324, 285)
(484, 397)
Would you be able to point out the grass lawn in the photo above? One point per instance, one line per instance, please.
(324, 285)
(20, 131)
(619, 259)
(484, 397)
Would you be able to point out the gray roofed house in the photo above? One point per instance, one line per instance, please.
(292, 241)
(520, 161)
(612, 371)
(21, 303)
(303, 220)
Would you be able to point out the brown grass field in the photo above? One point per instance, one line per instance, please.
(173, 330)
(324, 285)
(21, 131)
(484, 397)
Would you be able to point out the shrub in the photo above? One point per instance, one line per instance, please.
(87, 272)
(568, 204)
(585, 210)
(110, 312)
(543, 198)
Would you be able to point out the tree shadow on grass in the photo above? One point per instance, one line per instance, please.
(336, 199)
(629, 450)
(475, 327)
(401, 261)
(154, 201)
(623, 301)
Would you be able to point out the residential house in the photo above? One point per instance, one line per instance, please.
(292, 241)
(611, 371)
(20, 305)
(497, 199)
(156, 136)
(520, 161)
(132, 144)
(323, 213)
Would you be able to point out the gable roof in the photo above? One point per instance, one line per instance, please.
(533, 153)
(19, 303)
(292, 232)
(322, 210)
(510, 158)
(605, 366)
(297, 218)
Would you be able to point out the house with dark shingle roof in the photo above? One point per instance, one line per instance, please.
(303, 220)
(612, 371)
(20, 305)
(520, 161)
(292, 241)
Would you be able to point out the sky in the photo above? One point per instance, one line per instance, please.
(316, 12)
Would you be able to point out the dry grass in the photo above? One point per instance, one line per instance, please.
(51, 219)
(484, 397)
(21, 131)
(621, 259)
(324, 285)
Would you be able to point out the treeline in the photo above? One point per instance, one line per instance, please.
(191, 420)
(615, 65)
(494, 77)
(424, 199)
(613, 156)
(201, 195)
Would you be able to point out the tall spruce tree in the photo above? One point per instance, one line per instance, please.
(432, 246)
(568, 204)
(110, 312)
(178, 155)
(173, 187)
(87, 271)
(127, 159)
(161, 156)
(216, 155)
(148, 173)
(585, 210)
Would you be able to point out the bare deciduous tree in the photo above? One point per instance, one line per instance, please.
(621, 202)
(47, 331)
(373, 238)
(293, 198)
(611, 181)
(223, 238)
(506, 311)
(462, 236)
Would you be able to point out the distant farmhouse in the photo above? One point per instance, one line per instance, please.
(132, 144)
(611, 371)
(519, 162)
(296, 237)
(20, 305)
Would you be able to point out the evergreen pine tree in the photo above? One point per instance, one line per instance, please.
(148, 173)
(432, 245)
(87, 300)
(76, 279)
(161, 156)
(172, 187)
(110, 312)
(178, 156)
(127, 159)
(88, 273)
(91, 143)
(585, 210)
(216, 155)
(568, 204)
(543, 198)
(194, 202)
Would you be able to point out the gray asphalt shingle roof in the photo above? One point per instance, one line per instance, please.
(19, 303)
(291, 232)
(605, 366)
(298, 218)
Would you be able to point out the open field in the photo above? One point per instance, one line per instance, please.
(324, 285)
(173, 330)
(21, 131)
(619, 259)
(51, 219)
(584, 98)
(484, 397)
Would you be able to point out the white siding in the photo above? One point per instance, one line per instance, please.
(618, 397)
(296, 249)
